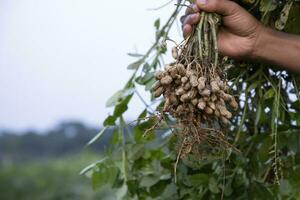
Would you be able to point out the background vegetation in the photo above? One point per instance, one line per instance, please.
(46, 165)
(266, 129)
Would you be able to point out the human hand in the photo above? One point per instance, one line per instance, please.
(239, 32)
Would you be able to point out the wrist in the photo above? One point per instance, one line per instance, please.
(278, 48)
(263, 38)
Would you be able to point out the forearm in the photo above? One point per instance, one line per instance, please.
(278, 48)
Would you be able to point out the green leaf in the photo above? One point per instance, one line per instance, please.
(138, 134)
(157, 24)
(136, 64)
(285, 188)
(148, 181)
(198, 179)
(115, 137)
(135, 151)
(146, 78)
(253, 86)
(122, 107)
(296, 105)
(106, 174)
(241, 178)
(155, 63)
(170, 191)
(160, 33)
(121, 192)
(281, 22)
(149, 84)
(97, 180)
(269, 94)
(258, 111)
(161, 49)
(157, 189)
(109, 121)
(267, 5)
(146, 67)
(260, 191)
(213, 186)
(119, 109)
(97, 136)
(292, 25)
(143, 114)
(119, 96)
(135, 55)
(165, 176)
(228, 189)
(91, 166)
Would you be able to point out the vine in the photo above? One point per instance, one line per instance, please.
(265, 128)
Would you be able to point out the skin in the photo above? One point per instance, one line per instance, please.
(243, 36)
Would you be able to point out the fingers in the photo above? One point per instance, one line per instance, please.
(222, 7)
(193, 8)
(187, 29)
(190, 10)
(192, 19)
(189, 21)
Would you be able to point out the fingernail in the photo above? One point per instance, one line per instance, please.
(194, 16)
(202, 1)
(195, 8)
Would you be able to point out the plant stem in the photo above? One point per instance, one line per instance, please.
(123, 140)
(237, 137)
(199, 31)
(214, 36)
(205, 36)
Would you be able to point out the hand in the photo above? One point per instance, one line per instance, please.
(239, 32)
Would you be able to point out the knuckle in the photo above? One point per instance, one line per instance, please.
(213, 6)
(234, 8)
(182, 19)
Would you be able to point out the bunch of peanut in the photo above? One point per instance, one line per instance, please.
(191, 95)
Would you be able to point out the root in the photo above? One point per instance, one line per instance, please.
(196, 93)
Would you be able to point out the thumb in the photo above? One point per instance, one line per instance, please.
(222, 7)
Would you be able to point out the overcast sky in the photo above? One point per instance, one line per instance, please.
(62, 59)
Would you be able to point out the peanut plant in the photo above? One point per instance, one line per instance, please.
(261, 159)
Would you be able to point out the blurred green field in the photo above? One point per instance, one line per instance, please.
(54, 179)
(45, 165)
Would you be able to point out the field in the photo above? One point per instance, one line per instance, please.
(52, 179)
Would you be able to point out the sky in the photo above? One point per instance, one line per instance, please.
(61, 60)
